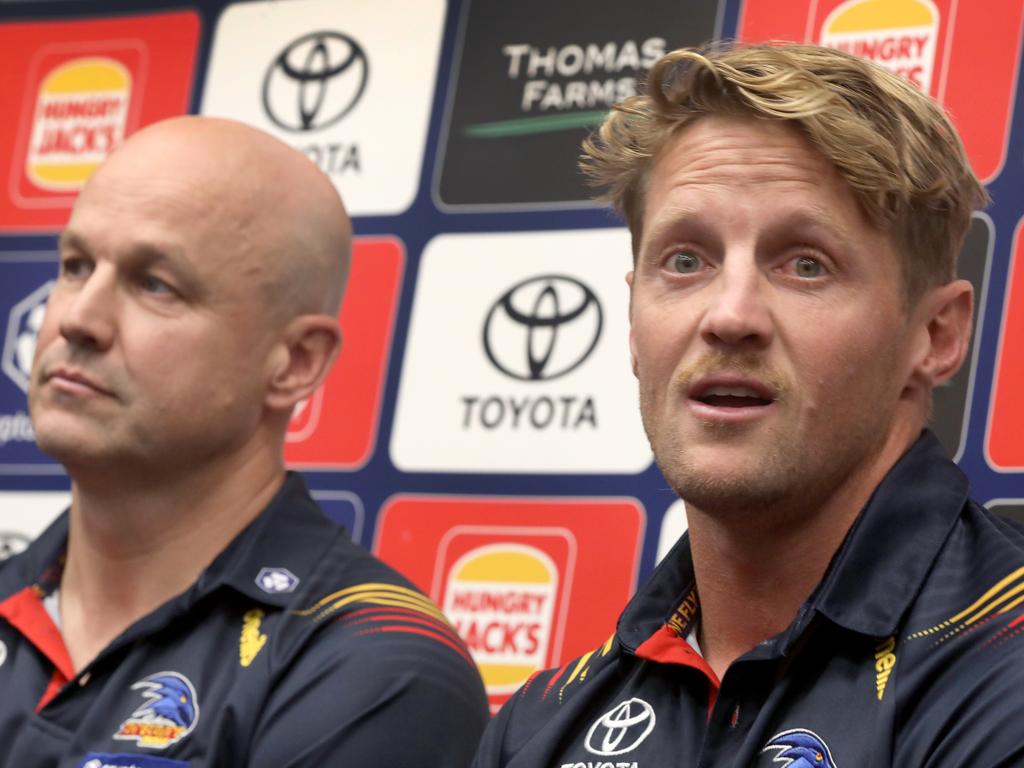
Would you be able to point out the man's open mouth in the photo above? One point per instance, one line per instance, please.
(732, 395)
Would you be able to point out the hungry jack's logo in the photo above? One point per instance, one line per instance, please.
(528, 582)
(901, 35)
(81, 115)
(77, 90)
(501, 598)
(965, 55)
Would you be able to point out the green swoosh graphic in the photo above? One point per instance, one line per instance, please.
(527, 126)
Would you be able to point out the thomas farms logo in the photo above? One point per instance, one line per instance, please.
(524, 94)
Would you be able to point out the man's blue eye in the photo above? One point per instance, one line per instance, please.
(685, 263)
(155, 285)
(805, 266)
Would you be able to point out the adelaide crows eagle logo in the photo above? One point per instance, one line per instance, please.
(168, 713)
(800, 748)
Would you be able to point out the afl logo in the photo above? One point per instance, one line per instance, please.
(621, 729)
(315, 81)
(12, 543)
(542, 328)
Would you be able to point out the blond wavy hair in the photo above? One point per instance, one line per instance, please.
(892, 144)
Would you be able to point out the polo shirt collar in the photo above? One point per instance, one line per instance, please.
(31, 566)
(289, 537)
(655, 603)
(874, 576)
(291, 534)
(882, 565)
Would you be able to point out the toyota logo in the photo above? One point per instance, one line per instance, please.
(542, 328)
(315, 81)
(621, 729)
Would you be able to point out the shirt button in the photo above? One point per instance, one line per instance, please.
(84, 679)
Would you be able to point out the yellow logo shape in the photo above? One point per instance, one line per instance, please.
(885, 660)
(81, 115)
(901, 35)
(501, 599)
(252, 640)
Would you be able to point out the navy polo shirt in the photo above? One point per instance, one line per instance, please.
(910, 652)
(294, 648)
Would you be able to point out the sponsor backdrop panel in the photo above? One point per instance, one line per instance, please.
(329, 79)
(72, 90)
(337, 426)
(530, 80)
(480, 430)
(951, 404)
(27, 280)
(964, 54)
(533, 371)
(1004, 447)
(673, 525)
(527, 582)
(1010, 508)
(26, 515)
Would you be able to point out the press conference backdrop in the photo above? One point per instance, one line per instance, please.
(480, 431)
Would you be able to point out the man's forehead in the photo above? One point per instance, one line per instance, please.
(738, 151)
(728, 156)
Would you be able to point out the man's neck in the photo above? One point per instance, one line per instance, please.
(136, 543)
(754, 570)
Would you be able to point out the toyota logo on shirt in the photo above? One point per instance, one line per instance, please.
(315, 81)
(621, 729)
(542, 328)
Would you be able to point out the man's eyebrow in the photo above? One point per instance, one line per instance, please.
(142, 252)
(70, 240)
(816, 217)
(665, 223)
(147, 254)
(813, 216)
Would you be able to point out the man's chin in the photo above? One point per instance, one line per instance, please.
(730, 495)
(71, 446)
(725, 484)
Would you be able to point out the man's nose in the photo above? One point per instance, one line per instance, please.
(739, 311)
(88, 310)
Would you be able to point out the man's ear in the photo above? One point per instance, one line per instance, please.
(945, 314)
(632, 340)
(302, 360)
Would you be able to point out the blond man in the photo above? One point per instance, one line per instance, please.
(796, 216)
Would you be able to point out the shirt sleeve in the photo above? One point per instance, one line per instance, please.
(974, 723)
(385, 700)
(491, 752)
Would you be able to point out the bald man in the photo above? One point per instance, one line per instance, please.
(194, 607)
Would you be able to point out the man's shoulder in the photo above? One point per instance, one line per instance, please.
(978, 576)
(354, 605)
(960, 660)
(552, 701)
(966, 629)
